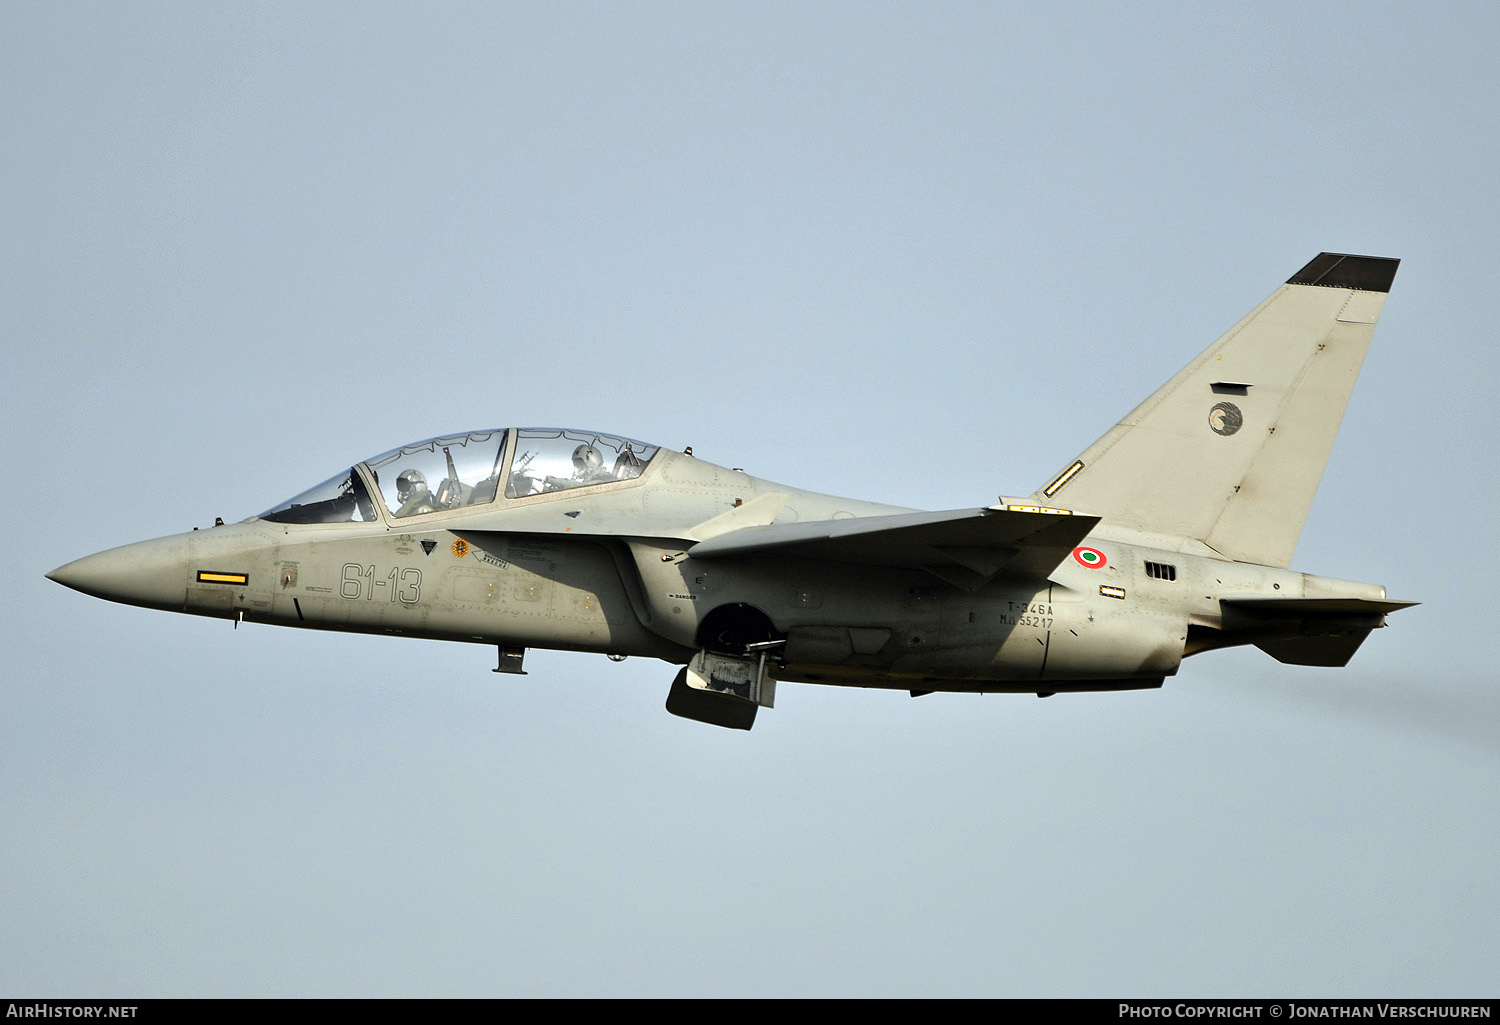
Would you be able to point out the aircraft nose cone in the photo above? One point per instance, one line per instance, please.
(149, 573)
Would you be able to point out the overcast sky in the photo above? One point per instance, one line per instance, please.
(916, 253)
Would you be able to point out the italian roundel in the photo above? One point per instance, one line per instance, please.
(1093, 558)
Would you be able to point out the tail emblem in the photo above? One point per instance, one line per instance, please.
(1225, 418)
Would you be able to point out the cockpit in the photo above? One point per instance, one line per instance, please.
(467, 470)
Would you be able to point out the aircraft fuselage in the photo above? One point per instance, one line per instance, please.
(1115, 614)
(1168, 536)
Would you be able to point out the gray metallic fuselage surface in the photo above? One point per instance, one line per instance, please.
(1169, 536)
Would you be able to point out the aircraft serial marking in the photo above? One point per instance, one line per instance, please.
(359, 581)
(1039, 622)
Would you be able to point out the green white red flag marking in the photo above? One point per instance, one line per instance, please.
(1093, 558)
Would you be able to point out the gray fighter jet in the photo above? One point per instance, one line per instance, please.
(1167, 537)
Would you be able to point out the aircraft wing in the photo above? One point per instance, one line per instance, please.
(964, 546)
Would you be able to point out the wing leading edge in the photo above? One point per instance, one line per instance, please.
(966, 547)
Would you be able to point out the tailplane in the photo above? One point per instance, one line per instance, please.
(1230, 451)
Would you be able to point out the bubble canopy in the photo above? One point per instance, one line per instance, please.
(460, 471)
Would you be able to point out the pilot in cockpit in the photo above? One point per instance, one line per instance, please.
(588, 465)
(412, 493)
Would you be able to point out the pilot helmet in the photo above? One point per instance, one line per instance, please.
(586, 459)
(411, 482)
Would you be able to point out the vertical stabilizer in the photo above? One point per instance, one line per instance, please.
(1230, 451)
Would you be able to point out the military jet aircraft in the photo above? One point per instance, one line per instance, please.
(1169, 536)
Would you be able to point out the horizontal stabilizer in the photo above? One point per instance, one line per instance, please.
(977, 542)
(1314, 608)
(1307, 631)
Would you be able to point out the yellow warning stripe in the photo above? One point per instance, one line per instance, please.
(1066, 476)
(206, 577)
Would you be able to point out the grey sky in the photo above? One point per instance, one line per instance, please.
(921, 254)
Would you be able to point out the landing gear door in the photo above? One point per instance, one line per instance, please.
(722, 690)
(744, 678)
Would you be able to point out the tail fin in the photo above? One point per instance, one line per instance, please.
(1230, 451)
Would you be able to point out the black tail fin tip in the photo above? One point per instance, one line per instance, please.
(1341, 270)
